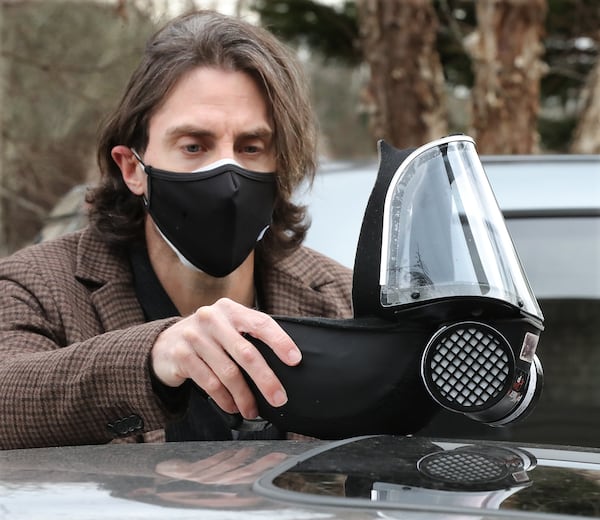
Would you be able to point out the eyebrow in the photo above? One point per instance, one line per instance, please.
(260, 132)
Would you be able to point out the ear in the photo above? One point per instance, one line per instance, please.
(132, 172)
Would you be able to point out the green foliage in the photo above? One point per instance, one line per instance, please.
(556, 133)
(330, 31)
(457, 20)
(572, 45)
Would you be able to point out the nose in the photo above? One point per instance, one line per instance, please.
(224, 150)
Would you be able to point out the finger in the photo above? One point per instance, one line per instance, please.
(251, 360)
(202, 374)
(182, 469)
(225, 320)
(263, 327)
(221, 473)
(235, 457)
(227, 373)
(248, 473)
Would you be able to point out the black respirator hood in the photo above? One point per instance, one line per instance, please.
(443, 314)
(365, 282)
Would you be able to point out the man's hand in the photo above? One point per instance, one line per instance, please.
(208, 347)
(229, 467)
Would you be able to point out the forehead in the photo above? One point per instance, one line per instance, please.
(213, 94)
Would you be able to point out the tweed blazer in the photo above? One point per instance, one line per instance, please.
(74, 345)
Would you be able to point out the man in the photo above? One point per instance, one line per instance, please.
(112, 333)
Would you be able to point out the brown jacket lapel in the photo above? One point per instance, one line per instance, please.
(110, 282)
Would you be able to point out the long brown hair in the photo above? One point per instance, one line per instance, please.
(208, 38)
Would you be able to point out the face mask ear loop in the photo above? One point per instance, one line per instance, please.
(138, 158)
(143, 166)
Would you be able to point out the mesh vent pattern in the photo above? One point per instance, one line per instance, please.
(462, 467)
(468, 366)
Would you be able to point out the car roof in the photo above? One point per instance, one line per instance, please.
(301, 480)
(545, 182)
(520, 182)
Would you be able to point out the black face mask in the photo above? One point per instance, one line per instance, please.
(212, 218)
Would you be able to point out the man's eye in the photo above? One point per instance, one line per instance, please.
(192, 148)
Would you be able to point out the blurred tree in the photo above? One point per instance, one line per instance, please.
(571, 46)
(406, 82)
(586, 137)
(343, 123)
(506, 50)
(398, 41)
(63, 64)
(326, 37)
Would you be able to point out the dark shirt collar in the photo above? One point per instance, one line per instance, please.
(154, 300)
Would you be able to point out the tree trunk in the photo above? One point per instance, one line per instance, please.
(506, 51)
(405, 97)
(586, 138)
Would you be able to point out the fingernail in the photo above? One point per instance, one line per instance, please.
(279, 398)
(294, 356)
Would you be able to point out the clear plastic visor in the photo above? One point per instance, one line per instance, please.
(444, 234)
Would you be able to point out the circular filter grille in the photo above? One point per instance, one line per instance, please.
(462, 467)
(467, 366)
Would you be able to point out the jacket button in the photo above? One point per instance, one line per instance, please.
(126, 425)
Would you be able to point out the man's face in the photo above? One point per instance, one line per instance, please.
(211, 114)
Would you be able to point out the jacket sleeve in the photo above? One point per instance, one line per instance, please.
(55, 391)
